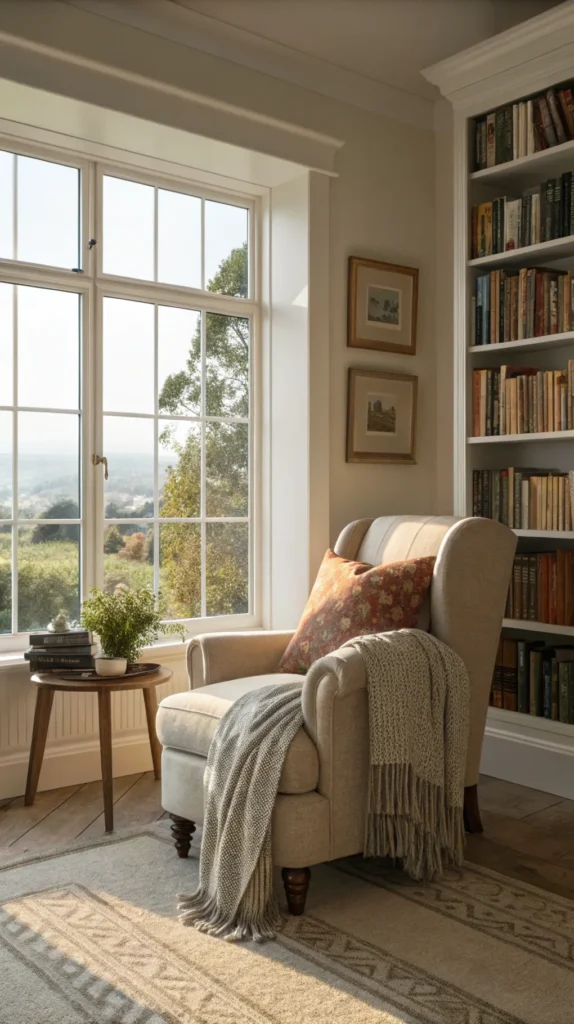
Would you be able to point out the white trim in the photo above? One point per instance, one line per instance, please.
(547, 435)
(201, 32)
(29, 61)
(529, 255)
(530, 751)
(546, 341)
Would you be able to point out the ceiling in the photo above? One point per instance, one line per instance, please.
(387, 41)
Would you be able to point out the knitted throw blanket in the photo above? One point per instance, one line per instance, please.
(236, 899)
(418, 697)
(418, 694)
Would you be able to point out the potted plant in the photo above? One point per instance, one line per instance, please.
(125, 622)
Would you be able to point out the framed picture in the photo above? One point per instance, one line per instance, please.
(381, 417)
(382, 306)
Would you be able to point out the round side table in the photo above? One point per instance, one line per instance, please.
(48, 683)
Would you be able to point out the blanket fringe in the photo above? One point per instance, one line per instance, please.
(409, 820)
(257, 917)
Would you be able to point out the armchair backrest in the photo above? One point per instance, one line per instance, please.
(468, 590)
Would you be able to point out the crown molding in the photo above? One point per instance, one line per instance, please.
(170, 20)
(511, 64)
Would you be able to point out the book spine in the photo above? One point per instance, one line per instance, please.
(523, 696)
(491, 140)
(555, 115)
(565, 98)
(547, 687)
(60, 640)
(40, 661)
(546, 121)
(563, 681)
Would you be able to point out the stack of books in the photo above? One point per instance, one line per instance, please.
(542, 588)
(522, 400)
(72, 648)
(508, 223)
(524, 499)
(534, 679)
(528, 303)
(519, 129)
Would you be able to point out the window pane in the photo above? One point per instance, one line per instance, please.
(128, 556)
(128, 356)
(48, 465)
(179, 464)
(128, 446)
(6, 206)
(227, 365)
(5, 579)
(5, 465)
(48, 213)
(48, 348)
(180, 570)
(48, 575)
(6, 343)
(179, 361)
(179, 239)
(227, 568)
(128, 228)
(226, 263)
(226, 469)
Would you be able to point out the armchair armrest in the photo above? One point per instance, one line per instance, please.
(335, 714)
(217, 657)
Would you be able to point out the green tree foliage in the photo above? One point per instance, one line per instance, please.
(226, 444)
(113, 541)
(64, 509)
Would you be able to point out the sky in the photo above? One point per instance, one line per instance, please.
(49, 322)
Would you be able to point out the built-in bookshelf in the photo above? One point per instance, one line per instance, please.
(513, 213)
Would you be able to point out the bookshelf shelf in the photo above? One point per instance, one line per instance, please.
(529, 255)
(528, 626)
(529, 170)
(546, 534)
(545, 342)
(548, 435)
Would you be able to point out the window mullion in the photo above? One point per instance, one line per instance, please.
(14, 595)
(155, 527)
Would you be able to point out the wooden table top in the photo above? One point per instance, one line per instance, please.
(51, 681)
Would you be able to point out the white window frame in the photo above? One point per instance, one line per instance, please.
(93, 285)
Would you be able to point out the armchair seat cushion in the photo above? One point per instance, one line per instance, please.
(188, 721)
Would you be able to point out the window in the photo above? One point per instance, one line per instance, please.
(126, 335)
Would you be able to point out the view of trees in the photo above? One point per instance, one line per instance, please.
(48, 553)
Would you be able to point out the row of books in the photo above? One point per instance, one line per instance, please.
(524, 499)
(529, 303)
(534, 679)
(519, 129)
(542, 588)
(509, 223)
(522, 400)
(72, 648)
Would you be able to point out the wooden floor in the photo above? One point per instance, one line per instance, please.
(527, 834)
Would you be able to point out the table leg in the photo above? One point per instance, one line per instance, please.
(105, 717)
(44, 700)
(150, 701)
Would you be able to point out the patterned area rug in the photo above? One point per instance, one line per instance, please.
(89, 936)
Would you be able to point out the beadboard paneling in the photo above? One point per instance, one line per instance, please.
(73, 725)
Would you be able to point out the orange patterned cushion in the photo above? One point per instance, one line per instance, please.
(351, 599)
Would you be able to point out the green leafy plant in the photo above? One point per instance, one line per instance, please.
(125, 621)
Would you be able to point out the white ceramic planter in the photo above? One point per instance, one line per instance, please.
(111, 666)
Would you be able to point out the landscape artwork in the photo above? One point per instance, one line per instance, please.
(381, 416)
(382, 306)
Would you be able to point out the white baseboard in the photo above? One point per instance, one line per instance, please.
(533, 752)
(68, 764)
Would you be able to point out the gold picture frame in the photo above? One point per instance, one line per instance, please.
(382, 306)
(381, 417)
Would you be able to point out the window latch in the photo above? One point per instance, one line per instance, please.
(98, 460)
(91, 243)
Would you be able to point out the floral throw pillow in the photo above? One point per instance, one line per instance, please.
(351, 599)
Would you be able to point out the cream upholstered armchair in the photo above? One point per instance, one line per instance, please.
(320, 807)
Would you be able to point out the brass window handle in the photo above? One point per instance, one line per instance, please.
(98, 460)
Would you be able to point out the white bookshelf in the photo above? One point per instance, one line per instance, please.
(511, 67)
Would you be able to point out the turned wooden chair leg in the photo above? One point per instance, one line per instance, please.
(182, 831)
(296, 883)
(472, 822)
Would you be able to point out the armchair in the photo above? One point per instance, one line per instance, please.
(319, 811)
